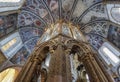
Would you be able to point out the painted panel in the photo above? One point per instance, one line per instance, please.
(8, 24)
(114, 35)
(2, 58)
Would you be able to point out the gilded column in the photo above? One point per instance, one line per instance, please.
(89, 68)
(68, 66)
(30, 68)
(55, 67)
(94, 71)
(59, 68)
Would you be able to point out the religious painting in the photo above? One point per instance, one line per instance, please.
(1, 22)
(2, 58)
(2, 31)
(114, 35)
(8, 23)
(25, 19)
(20, 57)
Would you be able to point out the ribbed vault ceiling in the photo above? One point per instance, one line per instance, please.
(90, 15)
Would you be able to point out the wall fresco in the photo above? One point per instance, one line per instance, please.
(8, 24)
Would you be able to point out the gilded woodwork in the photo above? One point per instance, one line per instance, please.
(59, 70)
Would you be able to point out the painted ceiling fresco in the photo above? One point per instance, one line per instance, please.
(29, 32)
(35, 15)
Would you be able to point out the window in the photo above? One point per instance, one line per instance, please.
(110, 54)
(9, 0)
(9, 5)
(9, 44)
(8, 75)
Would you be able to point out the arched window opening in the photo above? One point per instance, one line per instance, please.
(9, 5)
(110, 54)
(10, 45)
(8, 75)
